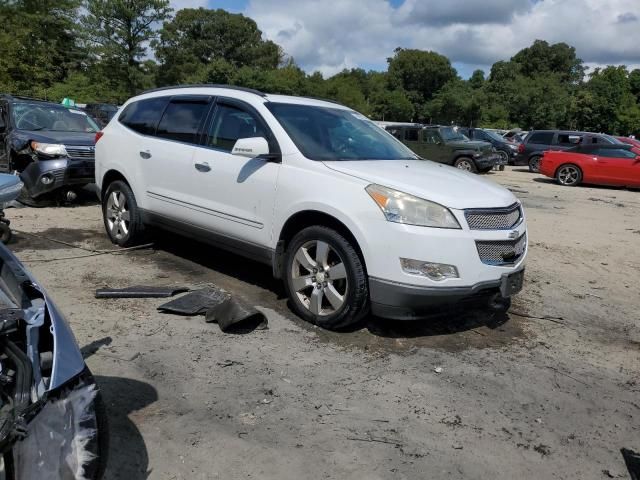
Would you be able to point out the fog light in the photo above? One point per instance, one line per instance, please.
(46, 179)
(434, 271)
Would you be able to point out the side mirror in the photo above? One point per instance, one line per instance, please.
(254, 147)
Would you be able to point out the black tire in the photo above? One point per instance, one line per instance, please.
(563, 177)
(5, 233)
(534, 164)
(466, 163)
(135, 233)
(356, 295)
(501, 168)
(504, 157)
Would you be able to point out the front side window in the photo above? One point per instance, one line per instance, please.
(614, 153)
(327, 134)
(51, 117)
(451, 134)
(182, 118)
(231, 123)
(143, 116)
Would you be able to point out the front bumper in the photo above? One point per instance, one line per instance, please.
(399, 301)
(63, 171)
(487, 161)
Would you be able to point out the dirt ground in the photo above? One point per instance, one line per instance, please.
(550, 390)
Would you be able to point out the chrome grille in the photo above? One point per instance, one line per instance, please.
(80, 151)
(502, 252)
(494, 219)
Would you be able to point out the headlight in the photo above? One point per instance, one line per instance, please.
(512, 146)
(51, 149)
(401, 207)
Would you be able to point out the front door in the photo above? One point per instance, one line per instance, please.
(434, 147)
(618, 166)
(235, 194)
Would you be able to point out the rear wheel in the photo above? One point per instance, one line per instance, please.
(325, 278)
(569, 175)
(121, 215)
(465, 163)
(534, 164)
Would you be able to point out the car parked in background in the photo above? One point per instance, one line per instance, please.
(505, 149)
(350, 218)
(538, 141)
(101, 112)
(446, 145)
(593, 163)
(49, 145)
(515, 136)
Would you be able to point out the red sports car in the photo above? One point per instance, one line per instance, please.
(600, 164)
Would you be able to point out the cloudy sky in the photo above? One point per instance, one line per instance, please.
(328, 35)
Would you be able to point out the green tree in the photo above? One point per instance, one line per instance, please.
(457, 102)
(195, 38)
(541, 58)
(477, 79)
(119, 32)
(420, 73)
(38, 44)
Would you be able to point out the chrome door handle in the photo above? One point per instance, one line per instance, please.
(202, 167)
(145, 154)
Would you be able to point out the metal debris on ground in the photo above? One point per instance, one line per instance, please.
(140, 291)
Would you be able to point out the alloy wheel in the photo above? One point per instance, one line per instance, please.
(568, 175)
(534, 164)
(465, 165)
(504, 158)
(319, 278)
(118, 215)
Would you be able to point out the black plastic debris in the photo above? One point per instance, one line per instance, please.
(632, 460)
(196, 302)
(140, 291)
(231, 315)
(235, 316)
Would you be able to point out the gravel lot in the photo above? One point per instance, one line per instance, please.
(549, 391)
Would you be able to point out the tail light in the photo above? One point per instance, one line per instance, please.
(521, 148)
(99, 135)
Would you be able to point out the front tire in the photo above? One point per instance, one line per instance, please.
(534, 164)
(465, 163)
(325, 278)
(121, 215)
(569, 175)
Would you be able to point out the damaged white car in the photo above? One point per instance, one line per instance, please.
(52, 422)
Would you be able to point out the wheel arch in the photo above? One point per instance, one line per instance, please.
(110, 177)
(307, 218)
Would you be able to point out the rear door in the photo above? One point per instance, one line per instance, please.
(539, 142)
(166, 155)
(234, 195)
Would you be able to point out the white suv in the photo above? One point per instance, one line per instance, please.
(346, 215)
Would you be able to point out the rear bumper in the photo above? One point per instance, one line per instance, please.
(61, 172)
(400, 301)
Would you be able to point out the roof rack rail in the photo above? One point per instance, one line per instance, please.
(208, 85)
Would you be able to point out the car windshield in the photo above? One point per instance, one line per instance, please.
(324, 133)
(31, 116)
(451, 134)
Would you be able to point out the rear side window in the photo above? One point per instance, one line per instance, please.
(567, 139)
(182, 119)
(143, 116)
(543, 138)
(411, 135)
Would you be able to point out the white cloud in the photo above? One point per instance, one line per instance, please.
(329, 36)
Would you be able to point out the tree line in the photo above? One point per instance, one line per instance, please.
(110, 50)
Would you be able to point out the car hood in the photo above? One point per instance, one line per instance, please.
(439, 183)
(66, 138)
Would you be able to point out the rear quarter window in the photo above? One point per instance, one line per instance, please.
(143, 116)
(182, 119)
